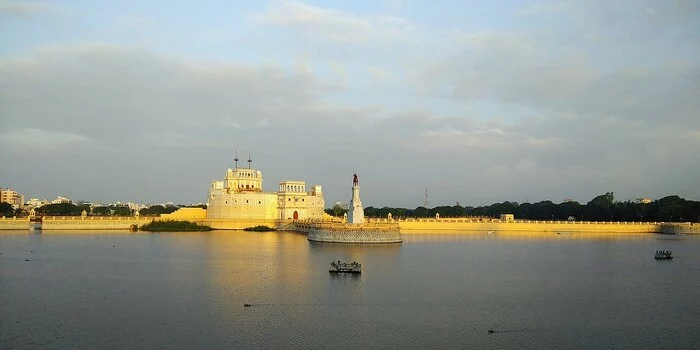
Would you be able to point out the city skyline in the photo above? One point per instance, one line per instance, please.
(480, 103)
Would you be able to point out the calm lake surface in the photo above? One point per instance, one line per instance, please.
(187, 290)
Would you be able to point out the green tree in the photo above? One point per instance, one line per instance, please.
(6, 209)
(600, 208)
(155, 210)
(120, 210)
(338, 210)
(59, 209)
(101, 211)
(421, 212)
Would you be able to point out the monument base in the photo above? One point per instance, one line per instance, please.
(355, 233)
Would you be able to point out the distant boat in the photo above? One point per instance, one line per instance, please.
(341, 267)
(491, 232)
(663, 255)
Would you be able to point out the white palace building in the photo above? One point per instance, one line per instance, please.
(240, 196)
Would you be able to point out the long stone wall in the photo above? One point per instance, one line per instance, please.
(680, 228)
(442, 225)
(532, 226)
(14, 223)
(350, 233)
(93, 222)
(459, 225)
(355, 236)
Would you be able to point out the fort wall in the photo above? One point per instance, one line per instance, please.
(187, 214)
(350, 233)
(14, 223)
(441, 225)
(464, 225)
(680, 228)
(93, 222)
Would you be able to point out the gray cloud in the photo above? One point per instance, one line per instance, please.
(476, 117)
(38, 140)
(25, 8)
(336, 26)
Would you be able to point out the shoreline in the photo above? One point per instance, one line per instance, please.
(406, 226)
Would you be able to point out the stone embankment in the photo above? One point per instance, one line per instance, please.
(63, 223)
(680, 228)
(441, 225)
(466, 225)
(14, 223)
(350, 233)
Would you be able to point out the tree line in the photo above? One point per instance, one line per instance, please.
(70, 209)
(600, 208)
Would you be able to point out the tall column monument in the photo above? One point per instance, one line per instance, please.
(356, 214)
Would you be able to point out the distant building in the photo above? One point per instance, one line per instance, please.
(507, 217)
(644, 200)
(36, 202)
(341, 205)
(135, 206)
(60, 200)
(10, 196)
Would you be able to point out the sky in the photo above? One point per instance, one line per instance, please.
(476, 101)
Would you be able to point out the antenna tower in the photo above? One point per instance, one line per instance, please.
(249, 160)
(425, 204)
(236, 159)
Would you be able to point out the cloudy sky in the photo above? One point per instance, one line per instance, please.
(478, 101)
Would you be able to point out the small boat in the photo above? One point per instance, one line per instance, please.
(341, 267)
(663, 255)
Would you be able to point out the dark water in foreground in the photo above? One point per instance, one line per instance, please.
(187, 290)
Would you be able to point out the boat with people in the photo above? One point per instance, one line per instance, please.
(663, 255)
(341, 267)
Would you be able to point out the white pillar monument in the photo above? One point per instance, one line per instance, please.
(356, 214)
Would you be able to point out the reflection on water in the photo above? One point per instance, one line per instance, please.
(188, 290)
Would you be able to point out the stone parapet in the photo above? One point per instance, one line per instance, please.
(350, 233)
(457, 225)
(14, 223)
(355, 236)
(680, 228)
(93, 222)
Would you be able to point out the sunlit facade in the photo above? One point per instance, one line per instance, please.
(240, 196)
(12, 197)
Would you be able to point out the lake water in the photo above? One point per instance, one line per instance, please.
(187, 290)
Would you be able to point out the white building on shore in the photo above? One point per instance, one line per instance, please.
(240, 196)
